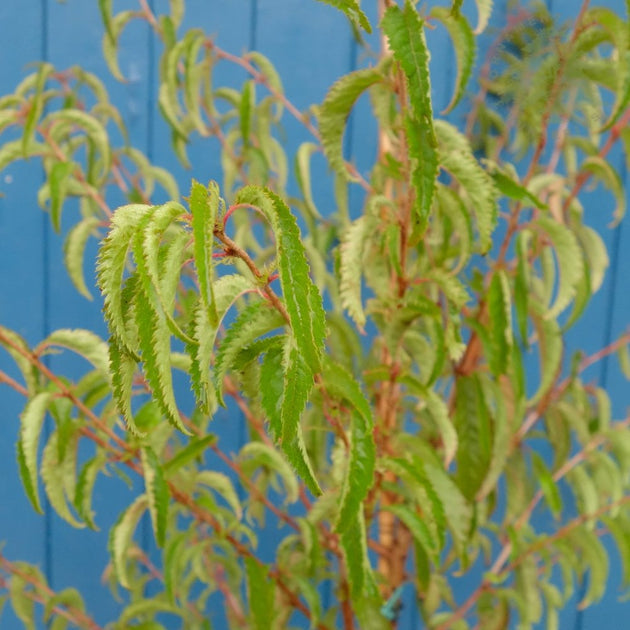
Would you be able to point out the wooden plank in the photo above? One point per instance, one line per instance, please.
(75, 31)
(21, 291)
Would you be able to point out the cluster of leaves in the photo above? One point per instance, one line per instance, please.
(410, 461)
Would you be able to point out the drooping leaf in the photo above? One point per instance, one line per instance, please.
(59, 476)
(58, 178)
(223, 485)
(302, 299)
(464, 43)
(569, 259)
(121, 535)
(500, 311)
(31, 424)
(405, 33)
(85, 487)
(335, 111)
(352, 10)
(122, 369)
(260, 591)
(74, 249)
(157, 493)
(484, 10)
(359, 473)
(551, 348)
(417, 526)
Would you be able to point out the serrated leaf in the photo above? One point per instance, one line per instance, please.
(145, 607)
(594, 558)
(260, 594)
(298, 383)
(439, 412)
(603, 170)
(36, 106)
(114, 27)
(85, 343)
(360, 471)
(155, 344)
(9, 340)
(74, 251)
(112, 261)
(417, 526)
(58, 179)
(122, 370)
(59, 476)
(334, 113)
(303, 175)
(569, 259)
(405, 33)
(204, 206)
(257, 319)
(31, 424)
(352, 10)
(85, 488)
(196, 448)
(302, 299)
(338, 381)
(457, 159)
(500, 312)
(23, 605)
(484, 9)
(157, 492)
(547, 485)
(94, 131)
(265, 455)
(223, 485)
(120, 537)
(464, 44)
(354, 546)
(68, 598)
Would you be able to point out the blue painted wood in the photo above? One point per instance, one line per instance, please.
(21, 292)
(290, 32)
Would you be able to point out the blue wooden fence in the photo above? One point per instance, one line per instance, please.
(311, 45)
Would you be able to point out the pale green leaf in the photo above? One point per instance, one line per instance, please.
(58, 179)
(157, 493)
(260, 593)
(464, 44)
(74, 251)
(120, 538)
(335, 111)
(500, 312)
(223, 485)
(352, 10)
(31, 424)
(360, 471)
(85, 488)
(418, 528)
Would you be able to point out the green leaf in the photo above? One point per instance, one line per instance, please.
(551, 348)
(36, 107)
(31, 424)
(547, 485)
(204, 206)
(301, 296)
(144, 607)
(122, 369)
(594, 558)
(68, 598)
(604, 171)
(484, 9)
(19, 350)
(157, 493)
(257, 319)
(196, 448)
(500, 311)
(112, 262)
(457, 159)
(354, 546)
(360, 471)
(341, 383)
(335, 111)
(439, 412)
(84, 343)
(264, 455)
(22, 604)
(298, 383)
(418, 528)
(352, 10)
(569, 259)
(120, 537)
(223, 485)
(114, 27)
(405, 32)
(85, 488)
(303, 175)
(59, 476)
(464, 43)
(58, 179)
(260, 593)
(94, 130)
(74, 252)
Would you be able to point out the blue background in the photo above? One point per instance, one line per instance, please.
(311, 45)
